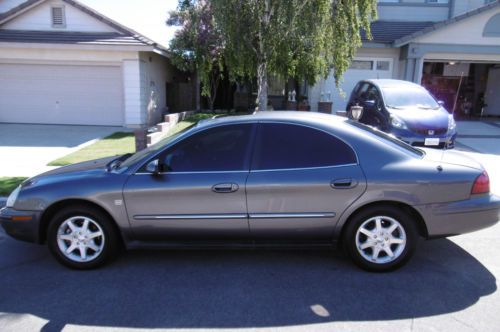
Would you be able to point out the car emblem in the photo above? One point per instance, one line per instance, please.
(431, 132)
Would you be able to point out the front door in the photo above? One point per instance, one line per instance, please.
(200, 193)
(301, 181)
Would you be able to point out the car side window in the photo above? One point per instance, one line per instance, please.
(362, 92)
(222, 148)
(285, 146)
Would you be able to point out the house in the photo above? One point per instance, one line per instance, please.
(62, 62)
(452, 47)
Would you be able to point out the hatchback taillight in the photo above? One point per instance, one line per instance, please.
(481, 184)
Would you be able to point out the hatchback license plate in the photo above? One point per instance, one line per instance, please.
(431, 141)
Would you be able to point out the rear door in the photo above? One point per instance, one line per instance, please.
(301, 180)
(200, 194)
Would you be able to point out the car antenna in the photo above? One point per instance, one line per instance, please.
(440, 167)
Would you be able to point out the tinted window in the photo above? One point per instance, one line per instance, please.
(221, 148)
(281, 146)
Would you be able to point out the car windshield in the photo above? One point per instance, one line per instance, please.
(155, 147)
(397, 97)
(387, 138)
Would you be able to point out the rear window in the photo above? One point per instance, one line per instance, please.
(388, 138)
(288, 146)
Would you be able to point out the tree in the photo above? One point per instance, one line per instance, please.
(197, 45)
(302, 39)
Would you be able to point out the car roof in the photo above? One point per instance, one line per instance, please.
(294, 116)
(390, 83)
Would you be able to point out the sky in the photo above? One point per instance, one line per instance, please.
(144, 16)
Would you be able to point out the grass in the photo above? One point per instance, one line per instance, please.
(115, 144)
(119, 143)
(7, 184)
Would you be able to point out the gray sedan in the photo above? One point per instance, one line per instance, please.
(271, 179)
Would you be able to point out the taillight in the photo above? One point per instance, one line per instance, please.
(481, 184)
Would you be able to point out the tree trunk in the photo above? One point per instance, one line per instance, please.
(262, 90)
(262, 59)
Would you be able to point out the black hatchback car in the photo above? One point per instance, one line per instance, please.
(406, 110)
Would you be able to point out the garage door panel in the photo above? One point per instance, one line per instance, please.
(61, 94)
(361, 69)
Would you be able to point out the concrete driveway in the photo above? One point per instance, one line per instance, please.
(26, 149)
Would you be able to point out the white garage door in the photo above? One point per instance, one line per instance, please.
(361, 69)
(61, 94)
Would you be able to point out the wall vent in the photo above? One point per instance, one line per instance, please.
(58, 19)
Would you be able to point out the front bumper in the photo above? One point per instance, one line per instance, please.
(21, 225)
(415, 139)
(454, 218)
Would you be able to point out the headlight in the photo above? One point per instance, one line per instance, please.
(13, 197)
(398, 123)
(451, 123)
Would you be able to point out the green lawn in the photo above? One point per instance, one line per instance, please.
(115, 144)
(118, 143)
(8, 184)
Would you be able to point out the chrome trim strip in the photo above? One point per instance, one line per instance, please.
(191, 216)
(292, 215)
(300, 169)
(197, 172)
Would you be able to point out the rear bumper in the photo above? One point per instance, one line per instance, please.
(21, 225)
(454, 218)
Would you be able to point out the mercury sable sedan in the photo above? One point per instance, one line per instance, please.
(270, 179)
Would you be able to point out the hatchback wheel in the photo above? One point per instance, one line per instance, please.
(380, 238)
(82, 238)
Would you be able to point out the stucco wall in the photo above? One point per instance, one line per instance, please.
(465, 32)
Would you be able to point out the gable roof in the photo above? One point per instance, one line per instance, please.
(386, 32)
(125, 37)
(436, 26)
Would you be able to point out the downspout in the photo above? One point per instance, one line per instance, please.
(451, 8)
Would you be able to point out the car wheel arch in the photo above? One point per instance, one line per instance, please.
(411, 211)
(52, 210)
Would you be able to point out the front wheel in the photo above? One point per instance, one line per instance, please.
(82, 238)
(380, 238)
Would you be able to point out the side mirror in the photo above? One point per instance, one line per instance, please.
(153, 167)
(440, 103)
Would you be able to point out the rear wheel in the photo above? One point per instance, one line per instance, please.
(380, 238)
(82, 237)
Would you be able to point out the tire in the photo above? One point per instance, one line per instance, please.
(82, 237)
(375, 233)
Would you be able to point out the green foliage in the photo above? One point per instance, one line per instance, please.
(302, 39)
(197, 45)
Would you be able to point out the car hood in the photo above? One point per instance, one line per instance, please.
(90, 166)
(452, 157)
(415, 117)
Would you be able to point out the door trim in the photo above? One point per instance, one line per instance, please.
(292, 215)
(191, 216)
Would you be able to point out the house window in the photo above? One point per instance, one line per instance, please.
(382, 65)
(437, 1)
(361, 65)
(58, 19)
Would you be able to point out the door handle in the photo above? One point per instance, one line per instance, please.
(222, 188)
(344, 183)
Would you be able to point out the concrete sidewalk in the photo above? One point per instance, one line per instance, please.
(26, 150)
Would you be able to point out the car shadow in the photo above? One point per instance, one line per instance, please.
(237, 289)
